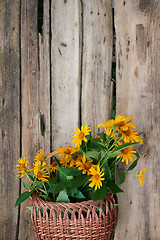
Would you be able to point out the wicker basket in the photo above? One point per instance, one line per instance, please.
(82, 220)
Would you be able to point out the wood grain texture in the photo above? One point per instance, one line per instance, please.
(44, 82)
(66, 66)
(138, 91)
(35, 95)
(9, 116)
(97, 60)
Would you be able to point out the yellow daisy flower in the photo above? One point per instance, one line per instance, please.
(52, 167)
(22, 163)
(81, 135)
(39, 164)
(67, 151)
(84, 165)
(123, 123)
(21, 167)
(67, 161)
(107, 126)
(39, 156)
(41, 174)
(78, 157)
(96, 179)
(131, 135)
(126, 154)
(141, 176)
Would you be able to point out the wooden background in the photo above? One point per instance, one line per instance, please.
(54, 82)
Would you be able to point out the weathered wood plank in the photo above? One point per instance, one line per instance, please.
(66, 63)
(97, 62)
(138, 89)
(35, 95)
(9, 116)
(44, 83)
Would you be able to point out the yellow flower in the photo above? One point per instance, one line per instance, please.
(22, 167)
(67, 161)
(81, 135)
(141, 176)
(39, 156)
(123, 123)
(84, 166)
(131, 135)
(78, 157)
(96, 179)
(107, 126)
(126, 154)
(39, 164)
(67, 151)
(41, 174)
(52, 167)
(97, 136)
(22, 163)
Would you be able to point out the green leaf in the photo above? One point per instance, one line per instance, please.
(122, 178)
(62, 197)
(43, 196)
(59, 187)
(69, 171)
(92, 154)
(102, 136)
(114, 154)
(29, 208)
(36, 184)
(80, 195)
(22, 198)
(25, 185)
(73, 192)
(123, 146)
(113, 187)
(133, 165)
(42, 190)
(107, 171)
(62, 176)
(99, 193)
(115, 204)
(78, 181)
(99, 143)
(32, 178)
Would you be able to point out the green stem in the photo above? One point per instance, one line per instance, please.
(103, 157)
(45, 189)
(115, 161)
(31, 182)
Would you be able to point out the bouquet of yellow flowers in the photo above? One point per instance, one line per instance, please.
(86, 169)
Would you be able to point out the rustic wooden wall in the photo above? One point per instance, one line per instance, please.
(96, 62)
(138, 94)
(50, 84)
(66, 67)
(9, 115)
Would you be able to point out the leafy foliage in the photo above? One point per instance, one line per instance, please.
(86, 171)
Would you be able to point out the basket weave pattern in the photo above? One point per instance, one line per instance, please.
(84, 220)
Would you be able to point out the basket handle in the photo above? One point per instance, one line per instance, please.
(50, 155)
